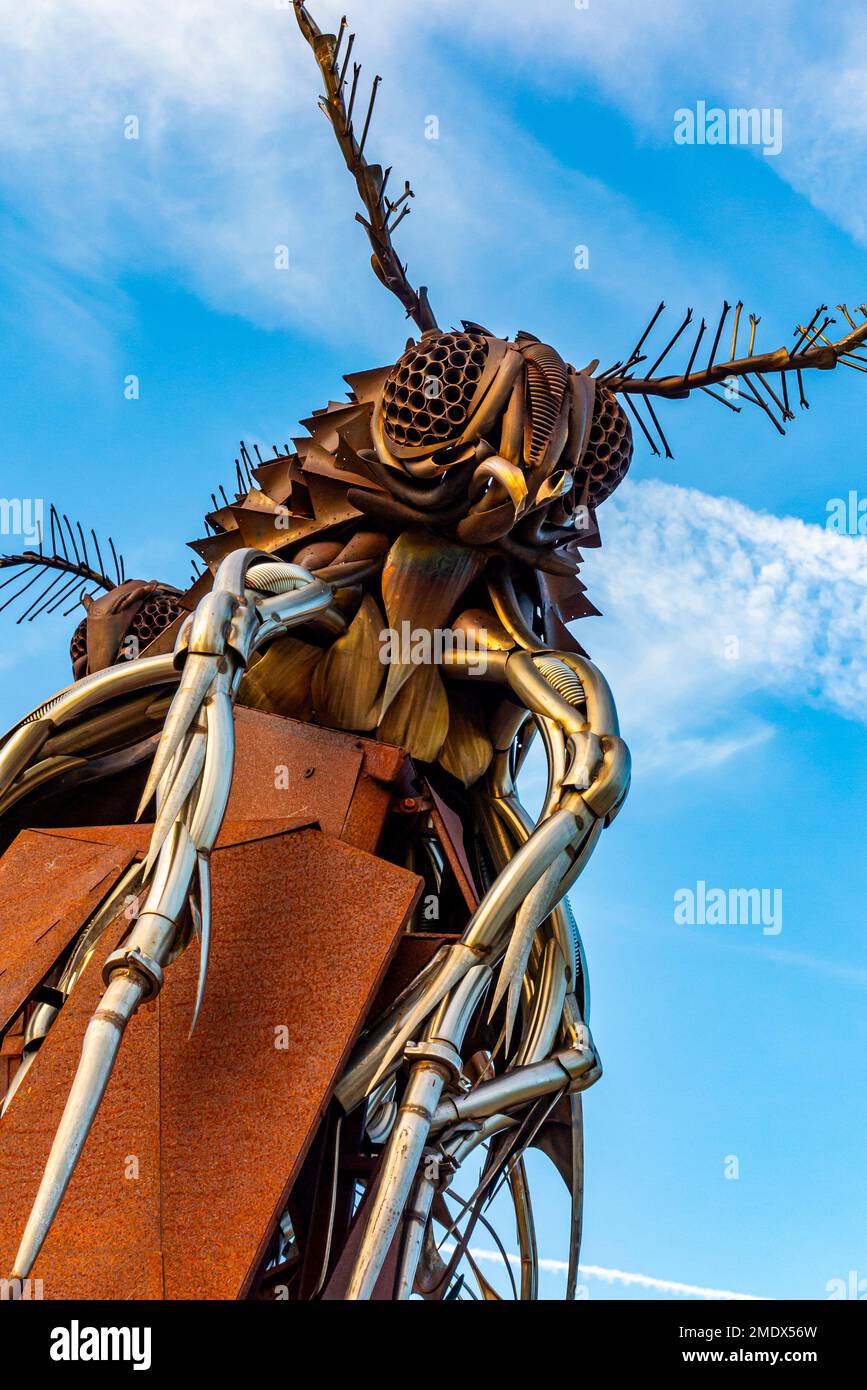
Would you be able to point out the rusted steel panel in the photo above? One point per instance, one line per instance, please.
(304, 928)
(49, 885)
(136, 838)
(284, 767)
(367, 812)
(10, 1052)
(105, 1242)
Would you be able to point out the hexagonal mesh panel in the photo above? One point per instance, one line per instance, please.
(155, 615)
(78, 645)
(429, 392)
(609, 450)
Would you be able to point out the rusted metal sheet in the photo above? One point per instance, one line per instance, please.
(367, 811)
(49, 886)
(10, 1052)
(284, 767)
(304, 928)
(105, 1243)
(136, 838)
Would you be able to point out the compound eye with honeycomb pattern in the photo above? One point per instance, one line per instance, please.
(429, 394)
(157, 613)
(608, 453)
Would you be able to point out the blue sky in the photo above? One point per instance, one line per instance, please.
(155, 257)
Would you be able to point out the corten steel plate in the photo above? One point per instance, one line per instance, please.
(49, 886)
(10, 1053)
(304, 928)
(342, 782)
(284, 767)
(303, 953)
(136, 838)
(105, 1242)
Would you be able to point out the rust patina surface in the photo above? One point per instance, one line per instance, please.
(197, 1141)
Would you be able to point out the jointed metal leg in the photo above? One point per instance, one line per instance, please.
(588, 780)
(253, 598)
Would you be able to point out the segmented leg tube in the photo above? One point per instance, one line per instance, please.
(100, 1048)
(438, 1062)
(520, 929)
(192, 771)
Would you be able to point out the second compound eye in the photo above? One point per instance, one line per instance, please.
(431, 391)
(608, 452)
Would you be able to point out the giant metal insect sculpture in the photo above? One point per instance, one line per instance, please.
(451, 493)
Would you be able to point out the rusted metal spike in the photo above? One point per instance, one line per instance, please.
(641, 341)
(17, 575)
(54, 581)
(754, 395)
(373, 91)
(723, 316)
(342, 79)
(72, 538)
(803, 332)
(652, 413)
(814, 334)
(397, 221)
(63, 597)
(356, 73)
(738, 309)
(774, 397)
(54, 518)
(662, 356)
(337, 42)
(22, 590)
(630, 405)
(699, 336)
(722, 400)
(784, 382)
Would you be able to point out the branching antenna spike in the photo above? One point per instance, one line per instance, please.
(369, 180)
(723, 316)
(662, 356)
(373, 91)
(738, 309)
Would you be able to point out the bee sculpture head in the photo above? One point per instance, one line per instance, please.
(537, 443)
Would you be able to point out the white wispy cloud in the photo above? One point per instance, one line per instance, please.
(233, 159)
(769, 955)
(709, 604)
(809, 62)
(672, 1287)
